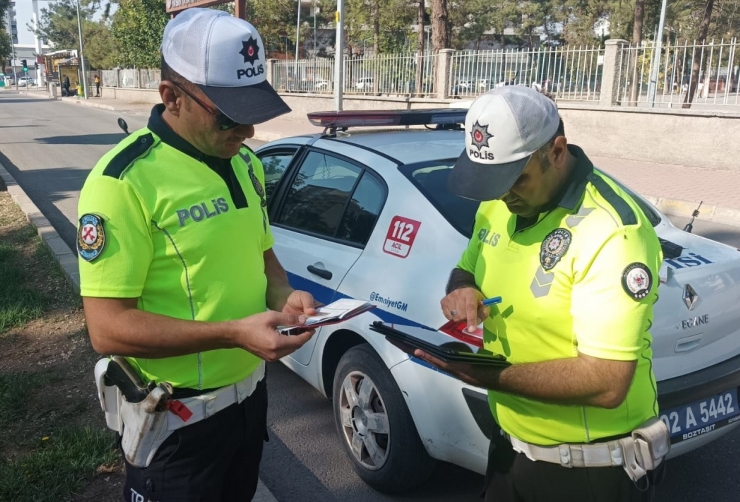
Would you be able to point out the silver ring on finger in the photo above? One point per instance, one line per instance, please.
(453, 312)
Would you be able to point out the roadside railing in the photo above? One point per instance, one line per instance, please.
(386, 74)
(708, 73)
(131, 78)
(567, 73)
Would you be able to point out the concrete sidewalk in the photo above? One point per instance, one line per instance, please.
(674, 189)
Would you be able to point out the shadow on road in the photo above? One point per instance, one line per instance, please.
(47, 186)
(84, 139)
(14, 126)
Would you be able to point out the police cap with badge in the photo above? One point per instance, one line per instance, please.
(225, 57)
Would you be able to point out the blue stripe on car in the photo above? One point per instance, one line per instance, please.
(327, 295)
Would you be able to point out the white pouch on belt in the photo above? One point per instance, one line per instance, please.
(109, 396)
(145, 426)
(652, 443)
(646, 448)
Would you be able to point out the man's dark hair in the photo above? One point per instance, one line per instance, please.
(545, 149)
(167, 73)
(560, 131)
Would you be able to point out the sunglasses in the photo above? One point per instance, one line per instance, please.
(224, 123)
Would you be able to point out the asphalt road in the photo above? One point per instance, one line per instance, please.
(49, 147)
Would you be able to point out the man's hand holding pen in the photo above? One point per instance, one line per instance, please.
(468, 304)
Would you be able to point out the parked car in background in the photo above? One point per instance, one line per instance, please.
(26, 81)
(321, 84)
(364, 84)
(367, 215)
(464, 86)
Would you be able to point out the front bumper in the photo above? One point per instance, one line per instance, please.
(699, 384)
(671, 393)
(696, 386)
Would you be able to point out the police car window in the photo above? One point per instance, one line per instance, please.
(431, 180)
(318, 195)
(362, 211)
(275, 164)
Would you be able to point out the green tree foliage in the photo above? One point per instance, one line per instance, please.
(58, 23)
(137, 30)
(99, 47)
(276, 22)
(5, 48)
(382, 25)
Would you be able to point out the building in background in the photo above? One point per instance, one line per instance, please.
(21, 15)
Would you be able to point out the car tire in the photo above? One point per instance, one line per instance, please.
(374, 425)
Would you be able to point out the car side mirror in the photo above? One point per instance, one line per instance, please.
(123, 125)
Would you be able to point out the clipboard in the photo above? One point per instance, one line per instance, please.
(444, 353)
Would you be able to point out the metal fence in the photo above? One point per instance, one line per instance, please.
(712, 69)
(567, 73)
(386, 74)
(109, 78)
(137, 78)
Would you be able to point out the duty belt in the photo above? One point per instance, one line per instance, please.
(605, 454)
(206, 405)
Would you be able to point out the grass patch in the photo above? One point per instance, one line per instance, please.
(18, 303)
(14, 391)
(57, 466)
(53, 444)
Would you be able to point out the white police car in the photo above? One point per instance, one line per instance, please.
(366, 215)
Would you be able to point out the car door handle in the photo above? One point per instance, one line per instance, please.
(324, 274)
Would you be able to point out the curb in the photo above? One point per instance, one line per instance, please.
(669, 207)
(62, 253)
(708, 212)
(94, 105)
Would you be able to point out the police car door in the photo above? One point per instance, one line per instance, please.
(325, 214)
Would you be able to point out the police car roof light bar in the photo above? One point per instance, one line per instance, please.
(441, 117)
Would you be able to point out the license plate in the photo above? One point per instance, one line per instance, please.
(709, 414)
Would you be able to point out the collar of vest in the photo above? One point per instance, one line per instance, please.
(576, 185)
(169, 137)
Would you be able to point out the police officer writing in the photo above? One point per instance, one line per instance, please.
(177, 271)
(576, 263)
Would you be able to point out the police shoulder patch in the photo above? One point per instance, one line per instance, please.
(90, 236)
(553, 247)
(637, 280)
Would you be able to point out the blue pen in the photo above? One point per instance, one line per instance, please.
(490, 301)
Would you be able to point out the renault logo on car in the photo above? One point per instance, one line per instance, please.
(690, 298)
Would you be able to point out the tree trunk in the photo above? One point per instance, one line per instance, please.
(703, 29)
(376, 27)
(420, 49)
(639, 17)
(376, 45)
(440, 38)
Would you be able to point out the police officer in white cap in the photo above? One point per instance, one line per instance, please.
(177, 269)
(575, 263)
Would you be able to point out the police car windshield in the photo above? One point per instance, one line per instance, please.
(431, 180)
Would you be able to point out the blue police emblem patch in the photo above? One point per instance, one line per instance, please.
(90, 237)
(637, 280)
(553, 247)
